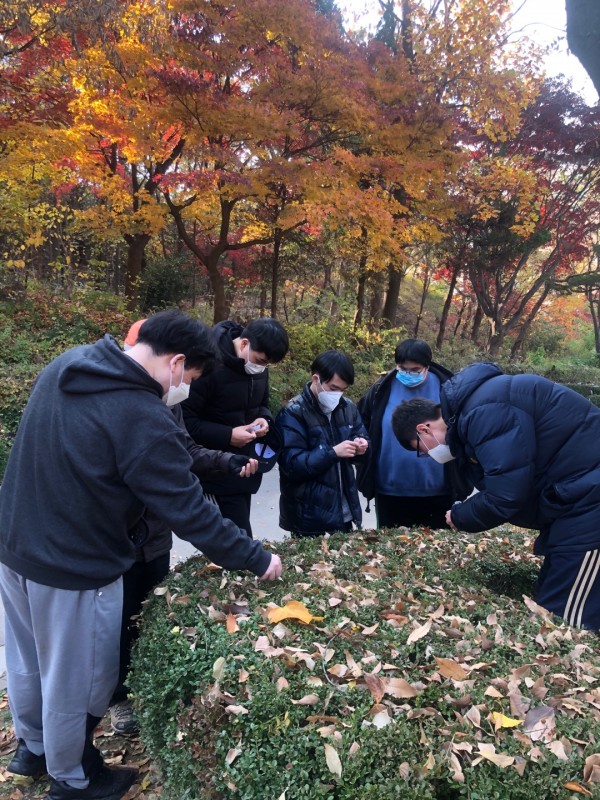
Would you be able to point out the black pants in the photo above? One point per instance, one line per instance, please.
(345, 528)
(236, 507)
(138, 582)
(393, 512)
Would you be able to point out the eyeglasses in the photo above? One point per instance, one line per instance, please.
(421, 453)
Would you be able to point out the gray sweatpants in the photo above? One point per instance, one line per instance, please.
(62, 663)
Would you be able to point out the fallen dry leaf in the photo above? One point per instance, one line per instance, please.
(231, 623)
(488, 751)
(292, 610)
(333, 760)
(451, 669)
(419, 632)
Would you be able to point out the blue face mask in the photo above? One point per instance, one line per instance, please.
(410, 380)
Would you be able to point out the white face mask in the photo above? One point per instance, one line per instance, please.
(252, 368)
(177, 394)
(441, 453)
(329, 401)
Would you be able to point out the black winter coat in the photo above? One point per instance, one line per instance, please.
(205, 464)
(372, 407)
(531, 448)
(308, 465)
(222, 400)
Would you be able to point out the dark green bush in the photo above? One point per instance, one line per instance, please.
(400, 678)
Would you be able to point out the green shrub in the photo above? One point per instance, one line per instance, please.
(395, 681)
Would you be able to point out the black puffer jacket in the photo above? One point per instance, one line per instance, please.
(222, 400)
(372, 407)
(531, 448)
(309, 467)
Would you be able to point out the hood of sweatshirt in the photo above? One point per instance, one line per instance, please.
(103, 368)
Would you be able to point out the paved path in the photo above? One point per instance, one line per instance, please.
(265, 524)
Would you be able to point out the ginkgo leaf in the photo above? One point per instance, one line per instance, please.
(333, 760)
(292, 610)
(502, 721)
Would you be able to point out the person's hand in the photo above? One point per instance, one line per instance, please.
(242, 466)
(345, 449)
(361, 445)
(241, 436)
(449, 522)
(259, 427)
(274, 571)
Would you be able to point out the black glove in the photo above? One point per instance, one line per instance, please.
(236, 463)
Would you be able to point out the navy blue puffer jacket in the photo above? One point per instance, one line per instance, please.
(309, 469)
(532, 448)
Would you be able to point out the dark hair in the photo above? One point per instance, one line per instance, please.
(413, 350)
(411, 413)
(333, 362)
(172, 331)
(267, 336)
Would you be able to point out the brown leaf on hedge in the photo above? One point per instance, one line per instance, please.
(540, 724)
(307, 700)
(537, 609)
(488, 751)
(419, 632)
(236, 710)
(577, 787)
(376, 686)
(451, 669)
(231, 624)
(399, 688)
(591, 771)
(333, 760)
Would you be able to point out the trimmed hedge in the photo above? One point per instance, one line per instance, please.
(418, 682)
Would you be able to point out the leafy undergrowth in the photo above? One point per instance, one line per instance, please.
(115, 749)
(383, 665)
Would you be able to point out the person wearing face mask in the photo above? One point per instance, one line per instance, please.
(323, 437)
(228, 409)
(530, 446)
(152, 559)
(111, 449)
(407, 491)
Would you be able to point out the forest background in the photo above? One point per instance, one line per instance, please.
(423, 179)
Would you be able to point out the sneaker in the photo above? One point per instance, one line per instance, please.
(26, 764)
(110, 783)
(122, 718)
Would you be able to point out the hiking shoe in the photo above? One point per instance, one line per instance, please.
(122, 718)
(25, 763)
(110, 783)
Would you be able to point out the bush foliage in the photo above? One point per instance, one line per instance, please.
(412, 679)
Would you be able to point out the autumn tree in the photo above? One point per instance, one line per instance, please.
(527, 210)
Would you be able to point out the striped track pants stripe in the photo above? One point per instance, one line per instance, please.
(581, 588)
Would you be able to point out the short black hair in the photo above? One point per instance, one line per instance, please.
(172, 331)
(267, 336)
(413, 350)
(411, 413)
(333, 362)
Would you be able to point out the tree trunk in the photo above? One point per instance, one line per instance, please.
(275, 272)
(221, 307)
(390, 308)
(136, 257)
(446, 309)
(477, 320)
(360, 292)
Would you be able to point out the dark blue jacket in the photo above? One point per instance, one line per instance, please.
(532, 448)
(311, 499)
